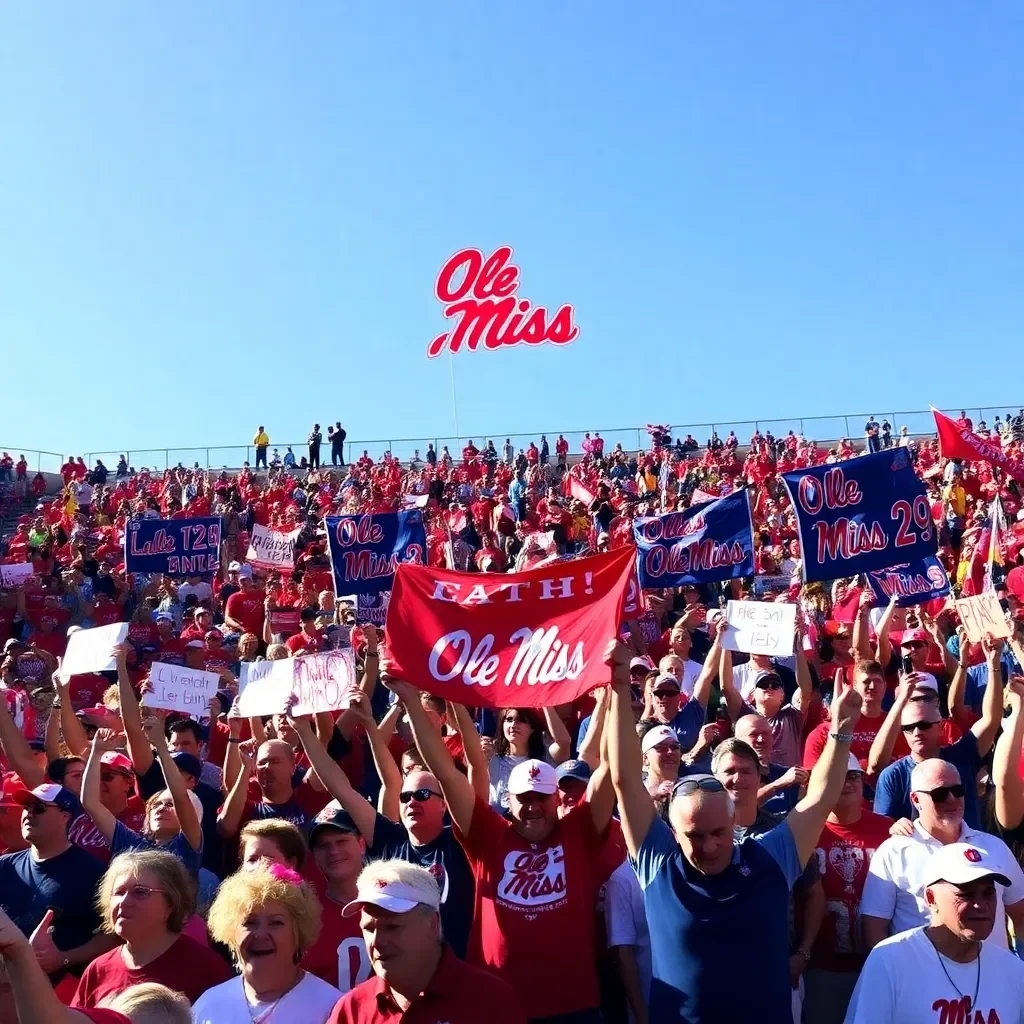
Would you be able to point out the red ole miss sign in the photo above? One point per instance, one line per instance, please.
(480, 296)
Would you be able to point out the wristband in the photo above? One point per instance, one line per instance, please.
(234, 739)
(842, 737)
(806, 954)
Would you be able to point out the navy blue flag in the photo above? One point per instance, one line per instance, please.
(707, 542)
(173, 547)
(365, 550)
(911, 582)
(868, 513)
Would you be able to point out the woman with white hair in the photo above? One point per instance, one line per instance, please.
(145, 899)
(172, 815)
(268, 917)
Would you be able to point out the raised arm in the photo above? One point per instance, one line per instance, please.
(74, 732)
(881, 747)
(335, 780)
(1006, 775)
(733, 700)
(473, 751)
(371, 661)
(883, 647)
(600, 791)
(18, 752)
(458, 790)
(862, 625)
(138, 745)
(188, 820)
(560, 746)
(986, 727)
(625, 763)
(712, 665)
(590, 748)
(957, 694)
(229, 817)
(387, 770)
(827, 778)
(102, 818)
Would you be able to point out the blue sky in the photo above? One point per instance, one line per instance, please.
(217, 215)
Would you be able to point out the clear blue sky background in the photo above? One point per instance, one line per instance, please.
(216, 215)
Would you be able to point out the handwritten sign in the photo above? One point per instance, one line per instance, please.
(176, 688)
(480, 295)
(760, 627)
(321, 682)
(15, 575)
(271, 549)
(982, 615)
(89, 650)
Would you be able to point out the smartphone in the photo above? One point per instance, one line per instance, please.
(907, 664)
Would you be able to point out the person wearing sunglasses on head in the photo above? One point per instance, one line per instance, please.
(893, 898)
(712, 904)
(920, 722)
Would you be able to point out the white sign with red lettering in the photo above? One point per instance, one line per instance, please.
(91, 650)
(319, 682)
(271, 549)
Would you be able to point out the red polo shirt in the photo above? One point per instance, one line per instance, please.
(458, 993)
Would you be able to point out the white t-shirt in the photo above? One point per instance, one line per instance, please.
(310, 1002)
(203, 591)
(626, 922)
(903, 982)
(894, 887)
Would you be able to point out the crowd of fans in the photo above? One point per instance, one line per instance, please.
(712, 837)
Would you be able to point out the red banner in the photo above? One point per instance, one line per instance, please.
(957, 442)
(525, 639)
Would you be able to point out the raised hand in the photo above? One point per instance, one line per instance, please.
(359, 705)
(405, 692)
(247, 755)
(795, 776)
(846, 710)
(48, 956)
(104, 740)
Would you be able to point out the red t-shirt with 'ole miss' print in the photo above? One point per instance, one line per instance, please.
(534, 902)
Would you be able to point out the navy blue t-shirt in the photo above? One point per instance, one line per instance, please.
(445, 859)
(125, 839)
(892, 791)
(66, 884)
(687, 724)
(702, 926)
(785, 800)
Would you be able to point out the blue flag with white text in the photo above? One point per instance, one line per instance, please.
(870, 512)
(707, 542)
(366, 549)
(910, 582)
(173, 547)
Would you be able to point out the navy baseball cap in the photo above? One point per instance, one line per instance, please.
(574, 769)
(187, 764)
(332, 816)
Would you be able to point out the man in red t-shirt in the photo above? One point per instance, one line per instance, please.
(869, 681)
(535, 876)
(848, 841)
(244, 610)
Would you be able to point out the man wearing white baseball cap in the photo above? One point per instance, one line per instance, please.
(945, 971)
(417, 976)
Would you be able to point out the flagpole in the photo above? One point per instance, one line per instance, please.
(455, 408)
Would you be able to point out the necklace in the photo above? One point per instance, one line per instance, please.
(977, 983)
(259, 1018)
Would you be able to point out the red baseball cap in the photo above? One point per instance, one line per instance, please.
(11, 790)
(118, 762)
(911, 636)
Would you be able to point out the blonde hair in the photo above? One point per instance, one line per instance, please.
(278, 652)
(177, 886)
(288, 838)
(150, 1003)
(112, 698)
(245, 891)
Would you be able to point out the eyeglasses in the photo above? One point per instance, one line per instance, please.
(419, 795)
(941, 793)
(667, 748)
(769, 684)
(922, 726)
(707, 785)
(137, 892)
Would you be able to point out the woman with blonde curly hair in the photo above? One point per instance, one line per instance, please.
(268, 917)
(145, 899)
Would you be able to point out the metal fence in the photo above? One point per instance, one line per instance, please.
(823, 429)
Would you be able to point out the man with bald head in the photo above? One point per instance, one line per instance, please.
(920, 722)
(711, 904)
(779, 787)
(893, 898)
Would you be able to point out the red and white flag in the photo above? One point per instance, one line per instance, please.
(528, 639)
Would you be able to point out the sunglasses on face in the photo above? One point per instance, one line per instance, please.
(770, 684)
(37, 808)
(914, 645)
(663, 694)
(942, 793)
(922, 726)
(419, 795)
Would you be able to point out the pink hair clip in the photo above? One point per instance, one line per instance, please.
(285, 874)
